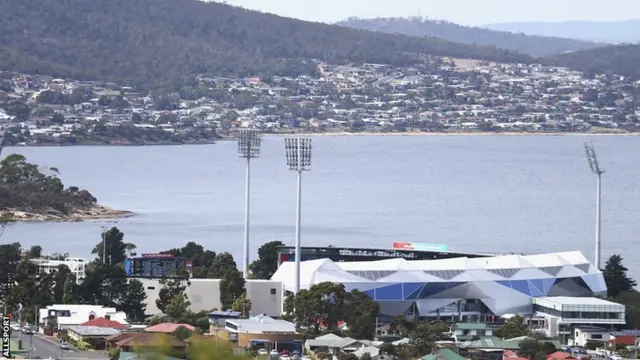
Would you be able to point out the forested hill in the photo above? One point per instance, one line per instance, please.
(418, 26)
(616, 59)
(142, 41)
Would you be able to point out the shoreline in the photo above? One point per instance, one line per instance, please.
(469, 133)
(98, 212)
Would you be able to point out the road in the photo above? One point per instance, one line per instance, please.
(45, 348)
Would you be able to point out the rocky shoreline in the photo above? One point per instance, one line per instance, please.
(98, 212)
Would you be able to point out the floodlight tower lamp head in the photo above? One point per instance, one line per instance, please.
(249, 141)
(298, 153)
(592, 158)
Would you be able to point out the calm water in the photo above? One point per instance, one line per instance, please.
(475, 193)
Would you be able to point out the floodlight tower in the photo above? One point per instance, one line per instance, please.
(595, 168)
(2, 132)
(248, 148)
(298, 156)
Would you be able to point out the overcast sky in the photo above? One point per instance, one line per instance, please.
(467, 12)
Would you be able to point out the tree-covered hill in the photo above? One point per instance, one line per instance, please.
(616, 59)
(418, 26)
(143, 41)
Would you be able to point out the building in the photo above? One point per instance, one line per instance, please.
(204, 295)
(564, 312)
(472, 331)
(466, 288)
(93, 335)
(409, 251)
(75, 315)
(584, 334)
(47, 266)
(262, 331)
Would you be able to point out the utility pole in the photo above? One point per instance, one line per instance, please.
(595, 168)
(298, 157)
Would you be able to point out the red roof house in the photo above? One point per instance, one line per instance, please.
(560, 355)
(104, 323)
(168, 328)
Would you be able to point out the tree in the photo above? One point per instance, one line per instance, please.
(267, 263)
(535, 349)
(615, 276)
(60, 278)
(10, 255)
(361, 313)
(512, 328)
(134, 301)
(231, 287)
(242, 304)
(170, 289)
(323, 303)
(222, 263)
(178, 307)
(116, 251)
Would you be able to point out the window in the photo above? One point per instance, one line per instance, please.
(596, 336)
(151, 287)
(273, 291)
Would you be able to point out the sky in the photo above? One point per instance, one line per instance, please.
(466, 12)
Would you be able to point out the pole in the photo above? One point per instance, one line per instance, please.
(104, 248)
(298, 216)
(247, 195)
(598, 211)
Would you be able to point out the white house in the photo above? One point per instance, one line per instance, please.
(75, 315)
(584, 334)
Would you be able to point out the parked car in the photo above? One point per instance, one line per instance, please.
(285, 357)
(263, 352)
(27, 330)
(64, 345)
(274, 352)
(615, 356)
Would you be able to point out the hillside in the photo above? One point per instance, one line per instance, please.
(615, 59)
(613, 32)
(143, 41)
(28, 194)
(418, 26)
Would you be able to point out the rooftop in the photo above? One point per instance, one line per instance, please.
(93, 331)
(262, 324)
(567, 300)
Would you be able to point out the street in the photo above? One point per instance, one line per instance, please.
(45, 348)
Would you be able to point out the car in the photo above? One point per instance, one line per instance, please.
(274, 352)
(306, 357)
(263, 352)
(15, 327)
(285, 357)
(27, 330)
(64, 345)
(615, 356)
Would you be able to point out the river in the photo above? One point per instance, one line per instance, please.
(523, 194)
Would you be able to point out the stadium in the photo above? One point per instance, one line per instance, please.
(498, 285)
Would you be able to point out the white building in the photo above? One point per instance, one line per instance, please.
(75, 315)
(584, 334)
(266, 296)
(76, 265)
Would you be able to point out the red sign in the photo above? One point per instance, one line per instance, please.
(402, 245)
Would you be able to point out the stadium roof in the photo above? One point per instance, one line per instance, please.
(511, 267)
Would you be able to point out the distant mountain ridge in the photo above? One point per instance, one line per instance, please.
(614, 32)
(538, 46)
(160, 42)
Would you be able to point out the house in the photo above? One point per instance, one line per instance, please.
(584, 334)
(93, 335)
(105, 322)
(261, 330)
(128, 341)
(443, 354)
(219, 317)
(472, 331)
(65, 315)
(560, 355)
(334, 344)
(168, 328)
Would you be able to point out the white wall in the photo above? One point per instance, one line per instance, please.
(204, 295)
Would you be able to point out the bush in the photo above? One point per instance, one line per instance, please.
(114, 354)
